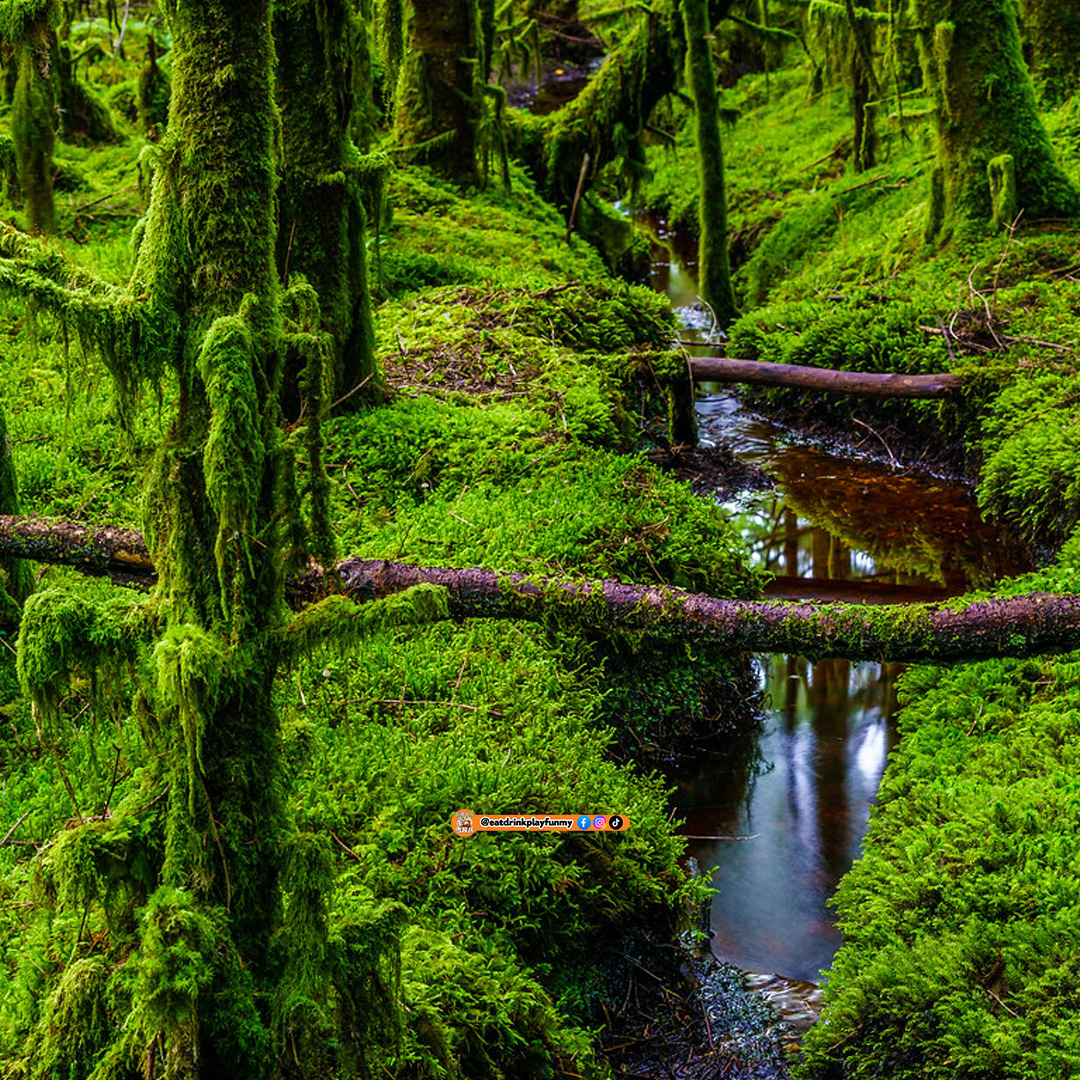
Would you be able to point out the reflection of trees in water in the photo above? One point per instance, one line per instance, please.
(909, 529)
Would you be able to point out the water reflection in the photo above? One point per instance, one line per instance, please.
(870, 519)
(802, 818)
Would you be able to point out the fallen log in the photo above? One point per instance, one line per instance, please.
(867, 384)
(983, 629)
(940, 633)
(94, 549)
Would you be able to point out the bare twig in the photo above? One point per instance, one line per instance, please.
(11, 832)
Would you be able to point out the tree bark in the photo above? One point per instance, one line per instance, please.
(866, 384)
(439, 97)
(1005, 626)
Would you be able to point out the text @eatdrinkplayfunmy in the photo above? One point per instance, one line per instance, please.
(468, 823)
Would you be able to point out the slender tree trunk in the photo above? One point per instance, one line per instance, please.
(34, 121)
(714, 267)
(994, 157)
(322, 227)
(439, 98)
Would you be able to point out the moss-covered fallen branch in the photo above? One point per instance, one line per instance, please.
(997, 627)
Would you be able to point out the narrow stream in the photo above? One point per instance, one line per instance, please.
(780, 821)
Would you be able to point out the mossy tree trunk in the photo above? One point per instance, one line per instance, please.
(1052, 41)
(34, 118)
(206, 265)
(994, 157)
(863, 87)
(440, 96)
(714, 266)
(214, 966)
(322, 227)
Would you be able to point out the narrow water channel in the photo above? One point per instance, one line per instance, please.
(780, 820)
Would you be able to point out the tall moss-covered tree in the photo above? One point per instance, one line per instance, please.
(994, 156)
(212, 941)
(440, 92)
(322, 229)
(714, 266)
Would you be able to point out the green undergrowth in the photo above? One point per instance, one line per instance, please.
(960, 930)
(509, 442)
(517, 373)
(508, 934)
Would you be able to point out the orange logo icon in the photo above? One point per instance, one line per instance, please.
(463, 823)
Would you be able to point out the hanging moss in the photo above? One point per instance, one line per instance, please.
(845, 34)
(322, 222)
(607, 118)
(390, 41)
(340, 623)
(84, 117)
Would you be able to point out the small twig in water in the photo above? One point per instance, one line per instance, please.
(892, 459)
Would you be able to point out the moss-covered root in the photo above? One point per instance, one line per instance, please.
(986, 108)
(714, 266)
(34, 119)
(440, 96)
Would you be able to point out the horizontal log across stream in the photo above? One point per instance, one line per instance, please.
(1006, 626)
(868, 384)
